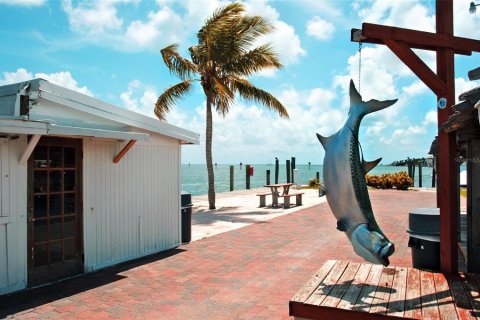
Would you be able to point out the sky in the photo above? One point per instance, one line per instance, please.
(110, 50)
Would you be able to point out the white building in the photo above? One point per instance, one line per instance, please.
(84, 184)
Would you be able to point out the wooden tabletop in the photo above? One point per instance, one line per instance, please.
(280, 185)
(351, 290)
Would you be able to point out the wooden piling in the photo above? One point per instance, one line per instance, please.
(247, 177)
(293, 168)
(276, 170)
(231, 178)
(318, 176)
(288, 171)
(419, 174)
(268, 177)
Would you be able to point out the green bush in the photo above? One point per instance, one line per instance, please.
(314, 182)
(399, 180)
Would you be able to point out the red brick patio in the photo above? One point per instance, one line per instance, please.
(248, 273)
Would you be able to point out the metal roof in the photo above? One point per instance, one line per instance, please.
(42, 92)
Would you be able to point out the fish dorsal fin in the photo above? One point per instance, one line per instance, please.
(355, 97)
(369, 165)
(323, 140)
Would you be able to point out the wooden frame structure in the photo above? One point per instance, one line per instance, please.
(401, 41)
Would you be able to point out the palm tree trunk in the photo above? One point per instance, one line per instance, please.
(208, 154)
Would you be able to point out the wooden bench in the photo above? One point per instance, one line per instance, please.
(263, 196)
(351, 290)
(286, 199)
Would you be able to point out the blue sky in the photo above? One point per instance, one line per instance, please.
(110, 50)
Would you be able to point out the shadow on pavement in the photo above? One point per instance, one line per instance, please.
(21, 301)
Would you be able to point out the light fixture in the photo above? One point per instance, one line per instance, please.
(473, 7)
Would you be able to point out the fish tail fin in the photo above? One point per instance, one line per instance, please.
(369, 106)
(323, 140)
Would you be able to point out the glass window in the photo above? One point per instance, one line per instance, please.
(55, 205)
(69, 157)
(41, 255)
(55, 228)
(40, 206)
(40, 181)
(55, 157)
(56, 181)
(56, 252)
(69, 180)
(69, 203)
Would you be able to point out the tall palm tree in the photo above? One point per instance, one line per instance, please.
(224, 56)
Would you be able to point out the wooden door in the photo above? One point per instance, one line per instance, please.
(55, 242)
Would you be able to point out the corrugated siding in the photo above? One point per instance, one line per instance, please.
(130, 208)
(13, 223)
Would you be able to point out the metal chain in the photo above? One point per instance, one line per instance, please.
(359, 65)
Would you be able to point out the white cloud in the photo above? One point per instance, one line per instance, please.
(61, 78)
(284, 38)
(140, 98)
(430, 118)
(465, 23)
(24, 3)
(320, 29)
(462, 85)
(404, 14)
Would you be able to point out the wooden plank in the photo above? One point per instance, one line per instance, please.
(29, 149)
(366, 297)
(382, 294)
(327, 284)
(413, 304)
(396, 304)
(306, 291)
(336, 294)
(472, 292)
(420, 68)
(459, 296)
(124, 151)
(421, 39)
(353, 292)
(445, 302)
(428, 297)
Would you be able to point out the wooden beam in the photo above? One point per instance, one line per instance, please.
(411, 60)
(447, 191)
(421, 39)
(473, 206)
(29, 149)
(124, 151)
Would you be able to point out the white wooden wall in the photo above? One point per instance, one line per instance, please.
(13, 215)
(131, 208)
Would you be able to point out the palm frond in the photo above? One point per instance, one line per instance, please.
(223, 96)
(260, 58)
(250, 92)
(171, 95)
(220, 19)
(176, 63)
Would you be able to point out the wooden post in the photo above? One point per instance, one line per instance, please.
(318, 176)
(434, 176)
(473, 206)
(447, 177)
(247, 177)
(288, 171)
(309, 163)
(231, 178)
(420, 174)
(276, 170)
(268, 177)
(293, 168)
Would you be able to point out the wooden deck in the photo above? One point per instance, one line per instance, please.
(349, 290)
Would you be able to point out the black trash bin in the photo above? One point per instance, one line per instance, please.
(424, 230)
(186, 210)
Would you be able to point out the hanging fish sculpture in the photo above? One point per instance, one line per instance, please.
(346, 189)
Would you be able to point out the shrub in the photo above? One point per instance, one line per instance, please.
(399, 180)
(314, 182)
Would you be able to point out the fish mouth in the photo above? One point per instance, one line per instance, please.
(371, 245)
(384, 252)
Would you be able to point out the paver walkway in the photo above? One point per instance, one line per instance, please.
(248, 273)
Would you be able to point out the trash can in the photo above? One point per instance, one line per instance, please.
(424, 230)
(186, 211)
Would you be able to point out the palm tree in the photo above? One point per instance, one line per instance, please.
(224, 56)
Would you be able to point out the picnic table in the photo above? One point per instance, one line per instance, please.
(280, 190)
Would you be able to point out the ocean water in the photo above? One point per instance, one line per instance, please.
(194, 176)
